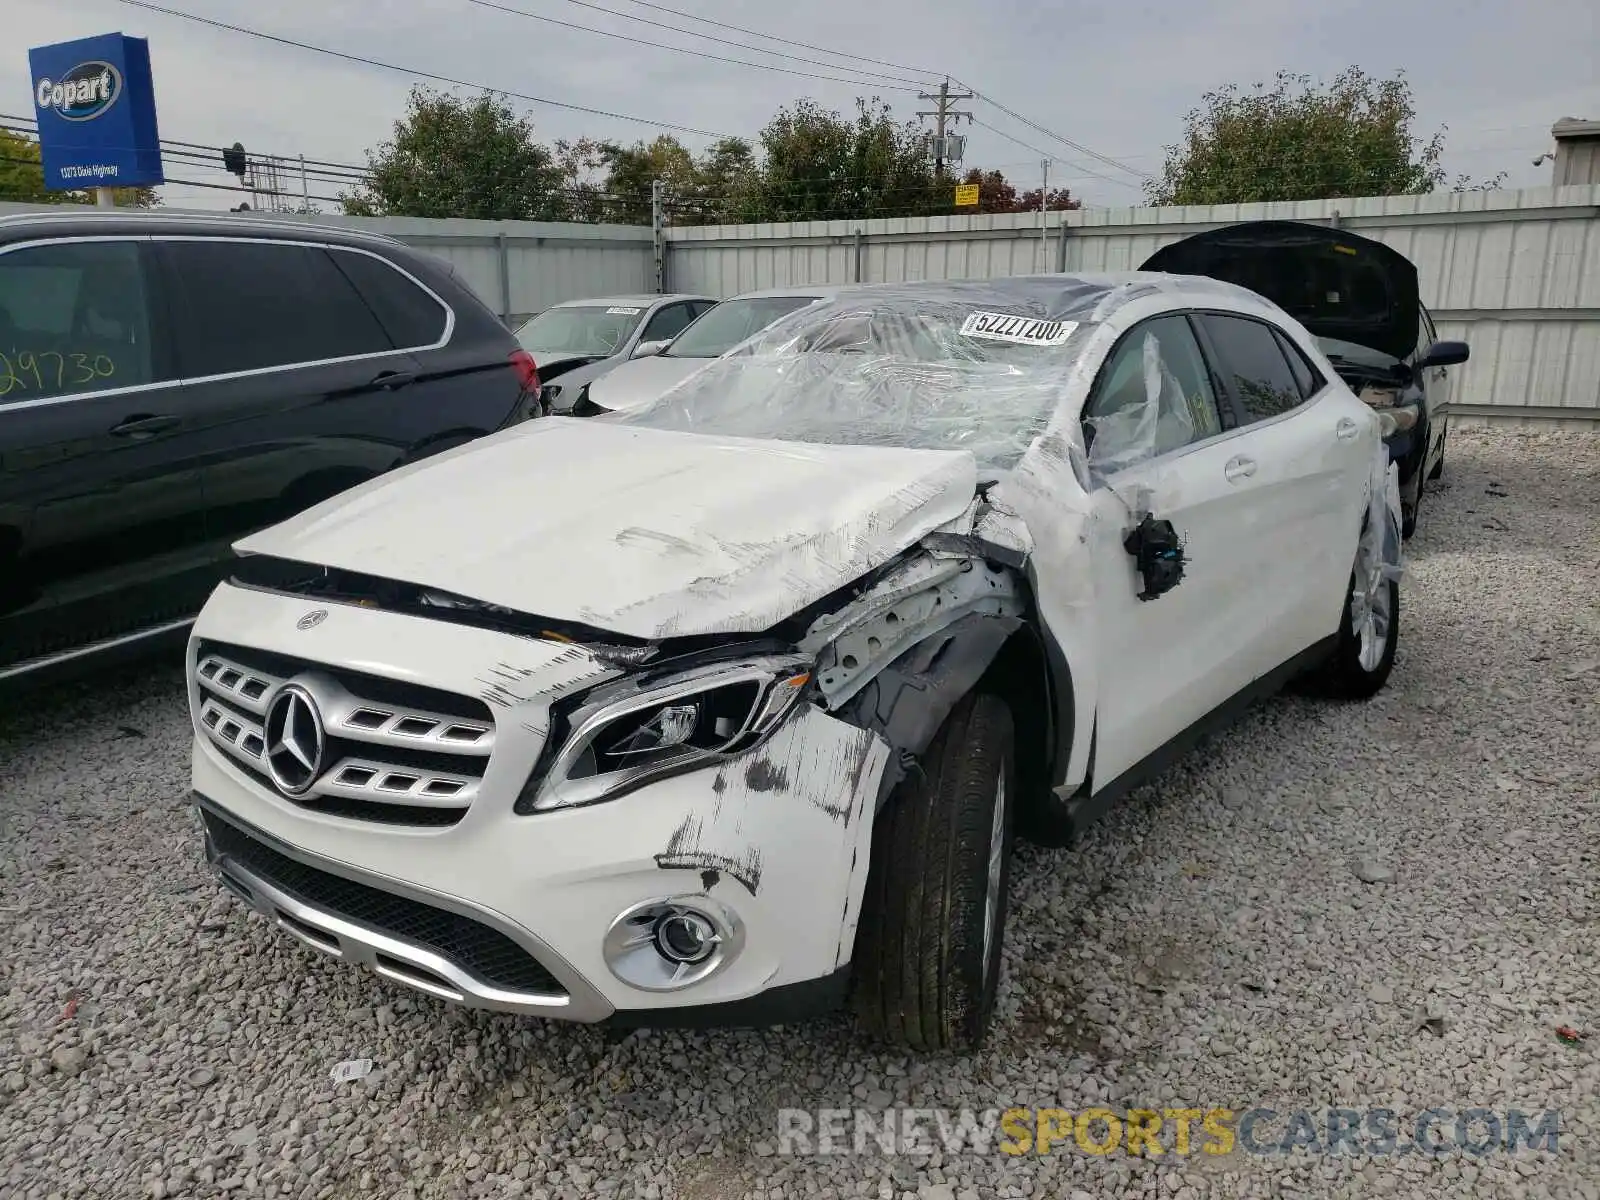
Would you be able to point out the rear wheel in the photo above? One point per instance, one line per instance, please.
(933, 919)
(1369, 632)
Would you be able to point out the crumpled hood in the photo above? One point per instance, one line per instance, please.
(1337, 284)
(635, 384)
(642, 532)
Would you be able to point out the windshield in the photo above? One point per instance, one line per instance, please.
(729, 323)
(954, 366)
(599, 330)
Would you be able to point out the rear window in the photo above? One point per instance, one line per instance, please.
(411, 317)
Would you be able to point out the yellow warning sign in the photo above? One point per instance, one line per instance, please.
(966, 194)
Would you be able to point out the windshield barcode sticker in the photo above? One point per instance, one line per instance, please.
(1025, 331)
(622, 312)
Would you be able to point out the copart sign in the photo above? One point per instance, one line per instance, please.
(83, 94)
(94, 100)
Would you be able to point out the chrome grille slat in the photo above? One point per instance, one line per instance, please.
(216, 719)
(389, 756)
(366, 779)
(239, 685)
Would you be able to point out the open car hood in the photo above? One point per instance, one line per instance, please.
(643, 532)
(1335, 283)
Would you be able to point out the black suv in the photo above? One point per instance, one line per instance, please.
(169, 384)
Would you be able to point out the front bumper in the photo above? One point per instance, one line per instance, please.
(510, 912)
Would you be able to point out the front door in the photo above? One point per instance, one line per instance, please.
(1160, 445)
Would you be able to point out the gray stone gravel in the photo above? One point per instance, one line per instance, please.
(1393, 904)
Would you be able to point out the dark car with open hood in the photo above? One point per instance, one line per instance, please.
(1360, 300)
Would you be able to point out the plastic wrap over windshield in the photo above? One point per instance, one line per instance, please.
(982, 367)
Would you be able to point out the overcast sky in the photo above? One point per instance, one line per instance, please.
(1115, 77)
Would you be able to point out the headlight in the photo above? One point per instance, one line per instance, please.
(629, 733)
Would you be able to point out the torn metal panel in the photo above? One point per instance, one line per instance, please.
(865, 636)
(908, 700)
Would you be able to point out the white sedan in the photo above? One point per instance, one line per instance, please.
(726, 710)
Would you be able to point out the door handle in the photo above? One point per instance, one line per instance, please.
(1346, 429)
(393, 380)
(142, 425)
(1239, 468)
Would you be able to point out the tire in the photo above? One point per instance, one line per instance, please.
(1409, 513)
(1346, 675)
(923, 978)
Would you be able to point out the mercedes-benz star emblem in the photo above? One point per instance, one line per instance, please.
(312, 619)
(295, 742)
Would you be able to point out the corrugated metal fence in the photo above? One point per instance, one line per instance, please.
(1514, 273)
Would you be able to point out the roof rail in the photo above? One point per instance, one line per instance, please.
(73, 213)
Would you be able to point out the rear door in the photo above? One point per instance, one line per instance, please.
(305, 393)
(1160, 441)
(101, 522)
(1303, 449)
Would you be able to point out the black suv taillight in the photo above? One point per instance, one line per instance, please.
(527, 370)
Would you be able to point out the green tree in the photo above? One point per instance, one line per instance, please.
(820, 165)
(451, 157)
(1295, 140)
(632, 170)
(22, 179)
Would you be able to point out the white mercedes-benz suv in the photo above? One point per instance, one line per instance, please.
(727, 709)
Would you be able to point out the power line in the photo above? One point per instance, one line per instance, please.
(879, 62)
(622, 37)
(1049, 133)
(1078, 146)
(710, 37)
(418, 74)
(1046, 154)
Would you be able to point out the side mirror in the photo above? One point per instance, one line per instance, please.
(647, 349)
(1445, 354)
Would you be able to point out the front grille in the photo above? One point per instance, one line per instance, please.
(471, 945)
(394, 752)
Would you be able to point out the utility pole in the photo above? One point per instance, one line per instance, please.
(1044, 207)
(943, 98)
(658, 236)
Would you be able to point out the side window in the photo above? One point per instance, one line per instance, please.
(669, 322)
(1427, 335)
(249, 305)
(409, 315)
(1153, 396)
(74, 317)
(1250, 356)
(1306, 376)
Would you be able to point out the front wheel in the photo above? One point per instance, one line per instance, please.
(934, 915)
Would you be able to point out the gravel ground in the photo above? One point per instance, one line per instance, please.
(1393, 904)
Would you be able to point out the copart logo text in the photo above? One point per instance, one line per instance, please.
(83, 93)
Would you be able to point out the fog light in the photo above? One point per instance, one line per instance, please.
(664, 945)
(685, 937)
